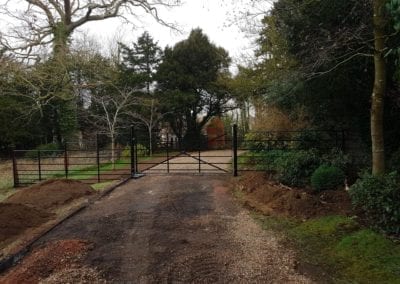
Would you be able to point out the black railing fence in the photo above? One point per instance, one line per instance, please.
(91, 161)
(98, 159)
(256, 150)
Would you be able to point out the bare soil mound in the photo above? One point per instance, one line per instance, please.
(270, 197)
(50, 194)
(43, 262)
(16, 218)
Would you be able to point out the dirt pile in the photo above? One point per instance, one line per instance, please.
(54, 258)
(16, 218)
(33, 206)
(270, 197)
(50, 194)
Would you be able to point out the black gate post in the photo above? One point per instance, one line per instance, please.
(98, 157)
(167, 153)
(66, 160)
(15, 169)
(234, 149)
(39, 166)
(199, 156)
(135, 146)
(132, 152)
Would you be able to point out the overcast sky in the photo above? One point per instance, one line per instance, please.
(221, 20)
(217, 18)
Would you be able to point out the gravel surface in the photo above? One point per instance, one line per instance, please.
(176, 229)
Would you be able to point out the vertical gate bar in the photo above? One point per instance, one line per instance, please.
(98, 157)
(15, 169)
(136, 155)
(66, 160)
(167, 153)
(39, 166)
(132, 151)
(199, 158)
(234, 149)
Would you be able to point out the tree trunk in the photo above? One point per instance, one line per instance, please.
(379, 89)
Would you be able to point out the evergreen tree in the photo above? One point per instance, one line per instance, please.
(139, 66)
(193, 81)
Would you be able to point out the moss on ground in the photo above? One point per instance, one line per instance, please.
(102, 185)
(347, 252)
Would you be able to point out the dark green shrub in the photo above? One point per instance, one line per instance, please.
(327, 177)
(337, 158)
(46, 151)
(262, 160)
(379, 198)
(394, 161)
(321, 140)
(296, 167)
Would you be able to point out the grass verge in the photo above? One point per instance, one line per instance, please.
(102, 185)
(338, 245)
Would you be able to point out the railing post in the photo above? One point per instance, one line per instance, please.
(132, 152)
(39, 166)
(167, 153)
(135, 146)
(15, 169)
(234, 150)
(66, 160)
(98, 157)
(199, 157)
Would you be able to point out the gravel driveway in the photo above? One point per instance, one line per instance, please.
(178, 229)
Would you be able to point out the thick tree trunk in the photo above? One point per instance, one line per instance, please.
(378, 93)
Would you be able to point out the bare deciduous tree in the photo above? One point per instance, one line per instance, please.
(150, 120)
(113, 108)
(36, 23)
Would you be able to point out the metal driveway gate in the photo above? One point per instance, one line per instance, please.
(168, 156)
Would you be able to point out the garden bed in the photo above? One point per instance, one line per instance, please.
(272, 198)
(31, 211)
(333, 244)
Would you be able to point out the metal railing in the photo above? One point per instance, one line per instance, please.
(93, 164)
(225, 154)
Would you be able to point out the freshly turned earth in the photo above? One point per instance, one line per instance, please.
(16, 218)
(32, 207)
(271, 198)
(51, 194)
(186, 229)
(169, 229)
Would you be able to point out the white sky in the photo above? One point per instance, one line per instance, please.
(215, 17)
(219, 19)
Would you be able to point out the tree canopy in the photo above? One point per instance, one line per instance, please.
(192, 83)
